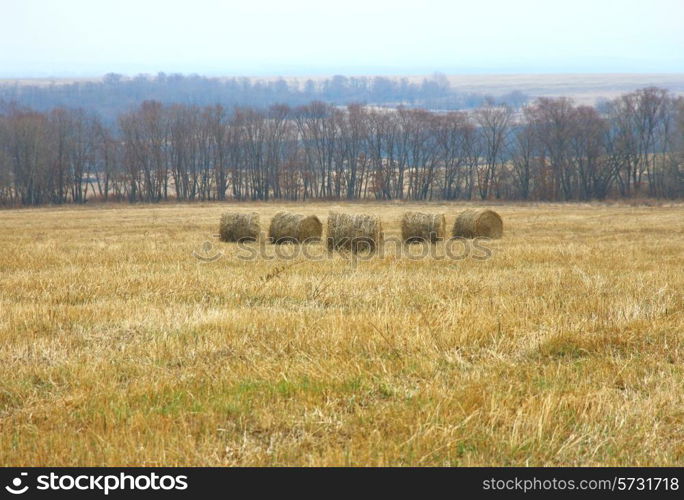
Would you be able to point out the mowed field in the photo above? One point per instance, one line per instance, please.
(119, 347)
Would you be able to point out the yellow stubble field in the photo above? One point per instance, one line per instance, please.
(118, 346)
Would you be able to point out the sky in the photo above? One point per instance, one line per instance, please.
(85, 38)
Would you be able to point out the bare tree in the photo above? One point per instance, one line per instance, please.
(494, 125)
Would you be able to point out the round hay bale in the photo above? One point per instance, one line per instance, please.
(478, 223)
(419, 226)
(288, 227)
(353, 232)
(237, 226)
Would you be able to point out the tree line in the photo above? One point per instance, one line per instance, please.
(550, 150)
(116, 93)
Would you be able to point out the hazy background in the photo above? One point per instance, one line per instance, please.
(81, 38)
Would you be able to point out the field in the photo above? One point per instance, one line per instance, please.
(583, 88)
(119, 347)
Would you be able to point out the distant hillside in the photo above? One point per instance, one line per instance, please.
(112, 94)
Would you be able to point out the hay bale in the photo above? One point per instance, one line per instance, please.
(353, 232)
(237, 226)
(419, 226)
(476, 223)
(294, 228)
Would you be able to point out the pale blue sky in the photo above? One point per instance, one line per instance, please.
(308, 37)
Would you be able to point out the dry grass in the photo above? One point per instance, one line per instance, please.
(117, 347)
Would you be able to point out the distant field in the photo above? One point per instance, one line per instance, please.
(118, 347)
(584, 88)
